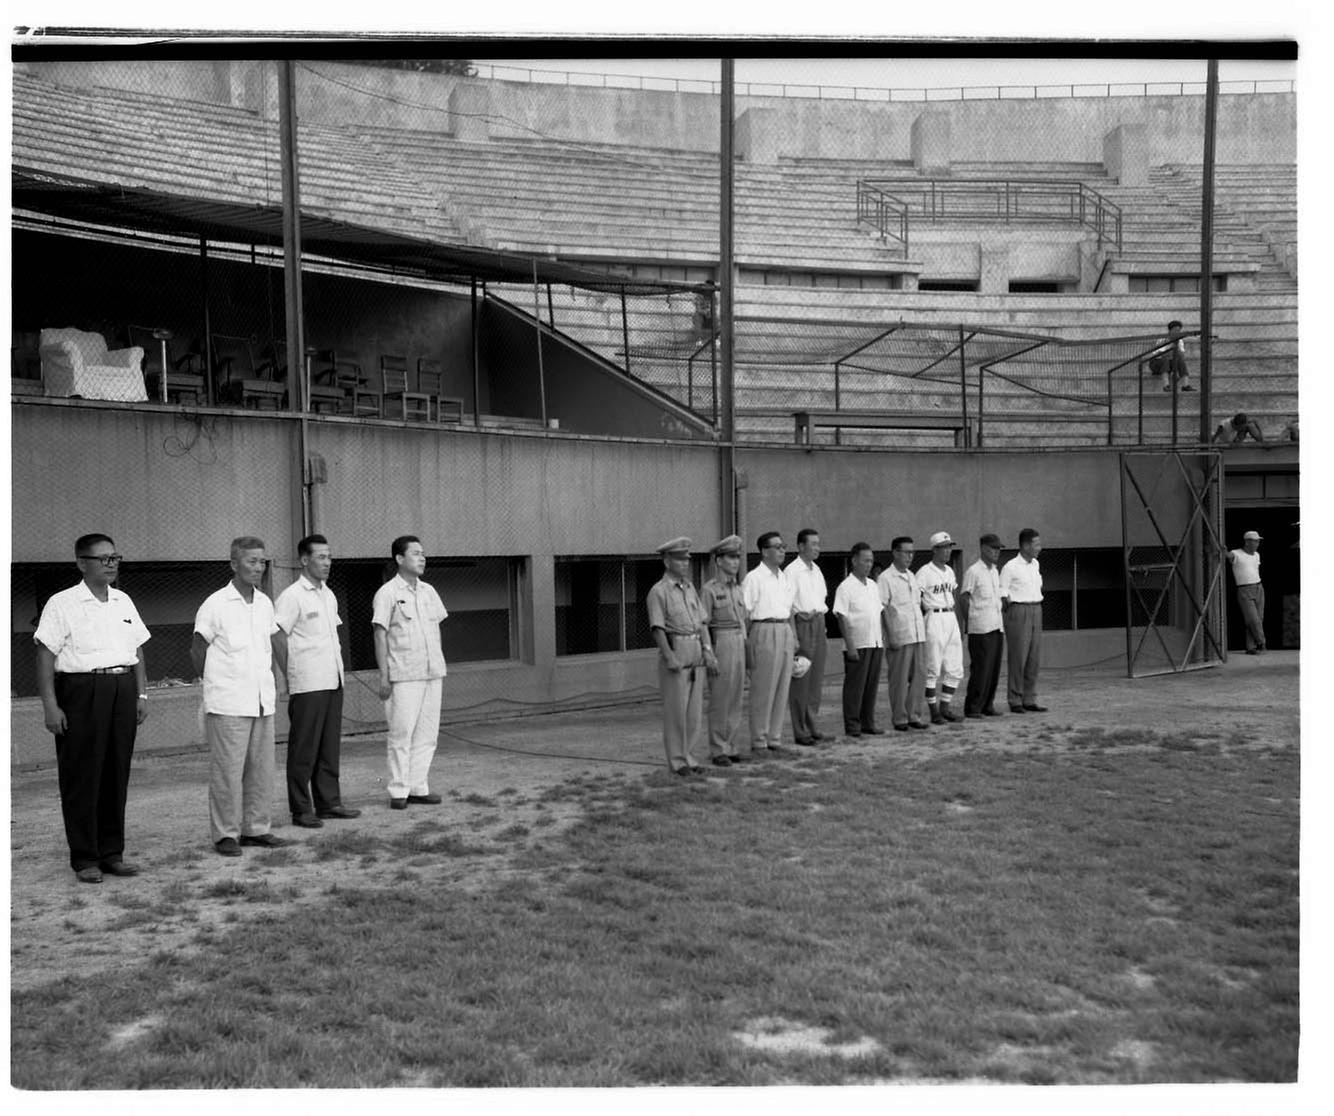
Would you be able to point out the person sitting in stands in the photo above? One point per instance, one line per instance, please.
(1238, 430)
(1169, 361)
(1290, 431)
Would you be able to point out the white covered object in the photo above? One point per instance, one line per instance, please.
(78, 363)
(800, 665)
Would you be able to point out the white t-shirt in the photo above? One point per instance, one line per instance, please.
(1245, 567)
(859, 603)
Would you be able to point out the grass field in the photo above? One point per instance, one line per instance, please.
(1089, 906)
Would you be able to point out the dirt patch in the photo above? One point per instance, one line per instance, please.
(781, 1036)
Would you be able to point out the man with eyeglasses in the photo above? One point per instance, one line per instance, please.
(905, 638)
(90, 675)
(771, 643)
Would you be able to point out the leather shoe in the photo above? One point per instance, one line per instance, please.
(263, 840)
(873, 731)
(307, 821)
(682, 771)
(853, 733)
(1018, 709)
(228, 847)
(424, 799)
(91, 874)
(947, 713)
(991, 711)
(917, 725)
(721, 761)
(738, 758)
(696, 770)
(339, 812)
(806, 743)
(1035, 708)
(937, 718)
(777, 750)
(119, 868)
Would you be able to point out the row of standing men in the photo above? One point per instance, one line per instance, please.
(247, 649)
(769, 629)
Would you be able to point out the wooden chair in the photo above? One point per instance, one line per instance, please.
(240, 380)
(346, 375)
(430, 381)
(185, 374)
(394, 385)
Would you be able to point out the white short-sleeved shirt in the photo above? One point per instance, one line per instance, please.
(808, 586)
(410, 616)
(308, 612)
(1245, 567)
(937, 586)
(767, 595)
(86, 634)
(1021, 580)
(982, 584)
(238, 669)
(903, 606)
(859, 603)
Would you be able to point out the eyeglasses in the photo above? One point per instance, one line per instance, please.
(776, 546)
(105, 559)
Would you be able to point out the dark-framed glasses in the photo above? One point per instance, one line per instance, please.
(105, 559)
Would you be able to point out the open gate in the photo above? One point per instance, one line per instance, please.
(1172, 550)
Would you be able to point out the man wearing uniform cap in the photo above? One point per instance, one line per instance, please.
(944, 644)
(771, 641)
(679, 624)
(727, 631)
(980, 597)
(1245, 565)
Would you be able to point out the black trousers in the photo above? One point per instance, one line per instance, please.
(860, 682)
(313, 740)
(984, 658)
(93, 762)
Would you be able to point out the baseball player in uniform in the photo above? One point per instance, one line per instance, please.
(679, 624)
(944, 644)
(727, 628)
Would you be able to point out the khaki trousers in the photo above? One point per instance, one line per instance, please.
(725, 691)
(772, 647)
(240, 775)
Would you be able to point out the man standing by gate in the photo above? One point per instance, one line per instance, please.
(1021, 604)
(1245, 565)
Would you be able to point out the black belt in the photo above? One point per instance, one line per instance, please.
(769, 620)
(101, 670)
(940, 610)
(1033, 603)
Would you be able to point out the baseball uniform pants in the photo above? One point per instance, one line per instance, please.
(944, 650)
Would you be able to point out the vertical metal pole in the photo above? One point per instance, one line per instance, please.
(541, 368)
(625, 331)
(551, 309)
(713, 351)
(1140, 421)
(1207, 254)
(727, 505)
(476, 364)
(210, 393)
(1109, 407)
(296, 394)
(1125, 569)
(963, 389)
(981, 402)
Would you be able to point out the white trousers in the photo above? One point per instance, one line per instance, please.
(944, 650)
(413, 712)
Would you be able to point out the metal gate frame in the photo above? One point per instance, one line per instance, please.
(1206, 511)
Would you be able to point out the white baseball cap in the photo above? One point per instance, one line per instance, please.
(1251, 535)
(941, 538)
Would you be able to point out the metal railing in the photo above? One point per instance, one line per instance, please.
(815, 91)
(884, 212)
(888, 205)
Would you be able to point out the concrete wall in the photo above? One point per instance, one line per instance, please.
(1252, 128)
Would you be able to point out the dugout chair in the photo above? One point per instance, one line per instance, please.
(241, 381)
(184, 374)
(347, 377)
(430, 382)
(414, 405)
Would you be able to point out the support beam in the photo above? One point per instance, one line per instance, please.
(727, 512)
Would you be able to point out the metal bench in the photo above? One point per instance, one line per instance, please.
(807, 422)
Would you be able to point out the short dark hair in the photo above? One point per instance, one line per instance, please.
(764, 538)
(1240, 419)
(989, 539)
(399, 546)
(805, 533)
(306, 545)
(1174, 324)
(898, 542)
(1028, 534)
(245, 542)
(858, 547)
(83, 542)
